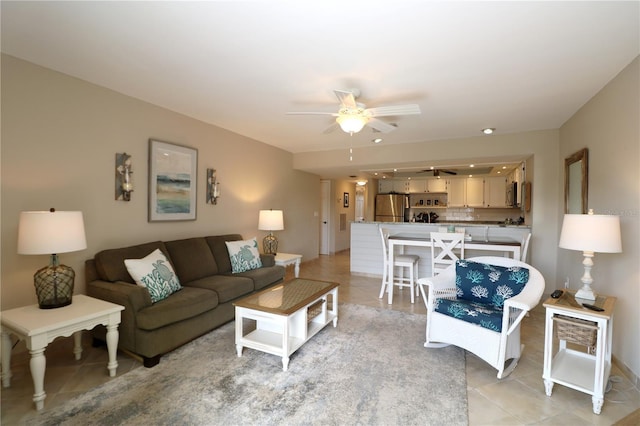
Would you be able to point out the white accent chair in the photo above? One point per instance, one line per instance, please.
(409, 261)
(525, 247)
(496, 348)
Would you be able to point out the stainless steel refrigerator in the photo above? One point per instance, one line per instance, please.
(391, 207)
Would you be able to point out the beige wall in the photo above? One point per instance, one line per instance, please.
(608, 126)
(59, 139)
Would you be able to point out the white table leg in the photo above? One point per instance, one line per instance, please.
(6, 360)
(38, 364)
(112, 348)
(77, 345)
(297, 267)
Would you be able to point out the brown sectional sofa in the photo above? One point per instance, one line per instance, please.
(204, 303)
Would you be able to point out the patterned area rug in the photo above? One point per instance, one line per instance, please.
(372, 370)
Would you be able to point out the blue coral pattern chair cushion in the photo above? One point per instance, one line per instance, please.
(244, 255)
(489, 284)
(483, 314)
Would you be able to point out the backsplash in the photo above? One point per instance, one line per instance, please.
(465, 214)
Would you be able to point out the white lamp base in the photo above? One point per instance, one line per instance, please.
(585, 293)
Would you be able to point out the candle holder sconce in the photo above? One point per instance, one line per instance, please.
(124, 182)
(213, 187)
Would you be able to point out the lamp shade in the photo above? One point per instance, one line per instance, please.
(270, 220)
(591, 233)
(46, 232)
(351, 123)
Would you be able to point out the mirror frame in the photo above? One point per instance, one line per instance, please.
(582, 155)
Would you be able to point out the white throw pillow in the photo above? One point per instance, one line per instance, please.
(244, 255)
(155, 273)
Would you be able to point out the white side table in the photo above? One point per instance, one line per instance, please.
(579, 370)
(286, 259)
(39, 327)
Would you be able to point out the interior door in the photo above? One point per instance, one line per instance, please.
(325, 214)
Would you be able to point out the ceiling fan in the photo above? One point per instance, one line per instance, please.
(353, 116)
(436, 172)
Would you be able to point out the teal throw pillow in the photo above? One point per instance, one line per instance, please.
(484, 283)
(155, 273)
(244, 255)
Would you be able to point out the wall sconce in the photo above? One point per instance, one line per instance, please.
(213, 187)
(124, 184)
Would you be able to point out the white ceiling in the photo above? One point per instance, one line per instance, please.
(241, 65)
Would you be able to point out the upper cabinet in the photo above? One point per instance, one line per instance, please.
(386, 186)
(417, 186)
(477, 192)
(495, 192)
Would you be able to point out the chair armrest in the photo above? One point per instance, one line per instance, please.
(530, 295)
(267, 259)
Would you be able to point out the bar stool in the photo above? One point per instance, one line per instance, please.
(409, 261)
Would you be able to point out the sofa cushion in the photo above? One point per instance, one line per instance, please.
(227, 287)
(187, 303)
(154, 272)
(192, 259)
(220, 252)
(485, 315)
(244, 255)
(484, 283)
(264, 276)
(110, 263)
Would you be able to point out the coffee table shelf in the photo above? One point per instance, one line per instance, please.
(281, 315)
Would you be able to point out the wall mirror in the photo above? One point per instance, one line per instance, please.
(576, 182)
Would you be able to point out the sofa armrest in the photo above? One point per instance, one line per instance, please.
(132, 297)
(268, 259)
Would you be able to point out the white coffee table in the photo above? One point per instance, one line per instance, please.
(39, 327)
(286, 259)
(286, 316)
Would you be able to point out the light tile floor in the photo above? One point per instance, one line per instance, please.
(517, 400)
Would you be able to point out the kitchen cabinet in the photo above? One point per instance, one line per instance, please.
(400, 186)
(495, 191)
(475, 192)
(427, 185)
(436, 185)
(457, 192)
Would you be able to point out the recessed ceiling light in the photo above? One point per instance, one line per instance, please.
(488, 130)
(375, 173)
(376, 140)
(432, 168)
(504, 167)
(395, 170)
(472, 165)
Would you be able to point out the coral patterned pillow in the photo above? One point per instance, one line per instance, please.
(484, 283)
(244, 255)
(155, 273)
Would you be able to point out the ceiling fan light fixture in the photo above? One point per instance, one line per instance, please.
(488, 130)
(351, 123)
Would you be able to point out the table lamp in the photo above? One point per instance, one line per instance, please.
(270, 220)
(52, 232)
(590, 233)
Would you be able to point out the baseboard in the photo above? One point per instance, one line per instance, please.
(633, 378)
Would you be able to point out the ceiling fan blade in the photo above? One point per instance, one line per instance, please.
(380, 125)
(312, 113)
(410, 109)
(347, 100)
(330, 129)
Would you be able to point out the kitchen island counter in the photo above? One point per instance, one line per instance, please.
(366, 247)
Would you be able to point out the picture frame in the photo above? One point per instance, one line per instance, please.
(428, 202)
(345, 200)
(173, 171)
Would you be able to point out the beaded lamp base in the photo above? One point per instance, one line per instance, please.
(54, 286)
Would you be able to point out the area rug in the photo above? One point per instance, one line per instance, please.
(372, 369)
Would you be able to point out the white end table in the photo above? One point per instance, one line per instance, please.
(286, 259)
(575, 369)
(39, 327)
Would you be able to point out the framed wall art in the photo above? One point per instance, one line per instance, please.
(172, 181)
(345, 199)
